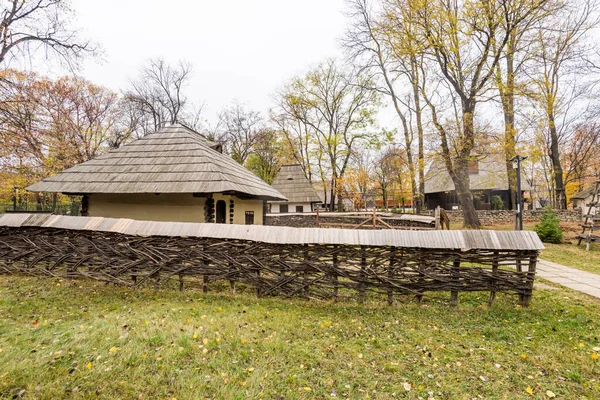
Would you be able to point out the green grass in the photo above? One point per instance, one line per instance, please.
(88, 340)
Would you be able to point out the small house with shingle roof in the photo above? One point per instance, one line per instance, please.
(488, 177)
(174, 174)
(292, 183)
(583, 199)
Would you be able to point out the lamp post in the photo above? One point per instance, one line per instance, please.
(517, 160)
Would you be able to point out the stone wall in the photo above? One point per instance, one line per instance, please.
(308, 220)
(492, 217)
(487, 217)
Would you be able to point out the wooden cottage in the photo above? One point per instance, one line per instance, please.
(292, 183)
(174, 174)
(583, 199)
(488, 178)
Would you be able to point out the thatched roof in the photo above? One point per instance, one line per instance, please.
(292, 183)
(175, 159)
(491, 176)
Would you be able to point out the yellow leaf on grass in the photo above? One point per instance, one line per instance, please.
(529, 390)
(205, 341)
(89, 365)
(595, 356)
(523, 356)
(113, 349)
(550, 394)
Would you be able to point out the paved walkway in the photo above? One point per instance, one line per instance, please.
(582, 281)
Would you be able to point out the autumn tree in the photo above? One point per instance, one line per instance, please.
(389, 171)
(338, 109)
(266, 156)
(49, 125)
(520, 19)
(464, 41)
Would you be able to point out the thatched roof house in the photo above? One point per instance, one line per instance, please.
(174, 174)
(292, 183)
(488, 177)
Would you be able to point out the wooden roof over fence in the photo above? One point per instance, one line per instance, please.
(175, 159)
(464, 240)
(292, 183)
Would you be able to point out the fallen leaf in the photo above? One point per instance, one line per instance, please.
(483, 378)
(89, 365)
(550, 394)
(406, 386)
(529, 390)
(113, 349)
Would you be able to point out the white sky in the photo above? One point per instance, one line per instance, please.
(240, 49)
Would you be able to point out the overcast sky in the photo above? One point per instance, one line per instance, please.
(240, 49)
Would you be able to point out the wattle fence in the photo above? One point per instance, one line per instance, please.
(276, 261)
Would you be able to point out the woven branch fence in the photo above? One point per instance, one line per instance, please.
(313, 270)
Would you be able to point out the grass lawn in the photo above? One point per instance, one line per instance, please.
(82, 339)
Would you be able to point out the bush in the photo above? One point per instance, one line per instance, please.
(497, 203)
(548, 229)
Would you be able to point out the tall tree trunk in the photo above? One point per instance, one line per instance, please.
(507, 95)
(419, 118)
(560, 198)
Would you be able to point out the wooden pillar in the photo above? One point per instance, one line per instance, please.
(391, 266)
(306, 272)
(374, 217)
(335, 274)
(258, 290)
(519, 266)
(420, 280)
(494, 273)
(363, 267)
(455, 281)
(231, 281)
(438, 224)
(530, 278)
(317, 218)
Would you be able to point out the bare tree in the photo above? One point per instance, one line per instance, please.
(373, 42)
(157, 95)
(559, 51)
(239, 128)
(28, 26)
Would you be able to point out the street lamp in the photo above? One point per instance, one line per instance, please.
(517, 160)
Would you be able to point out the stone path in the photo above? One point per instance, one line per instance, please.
(582, 281)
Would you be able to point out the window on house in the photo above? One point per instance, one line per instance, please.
(249, 217)
(283, 208)
(299, 209)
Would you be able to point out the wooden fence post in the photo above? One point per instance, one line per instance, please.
(392, 265)
(305, 273)
(493, 283)
(455, 280)
(519, 267)
(363, 267)
(180, 283)
(438, 224)
(530, 278)
(231, 281)
(335, 275)
(317, 218)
